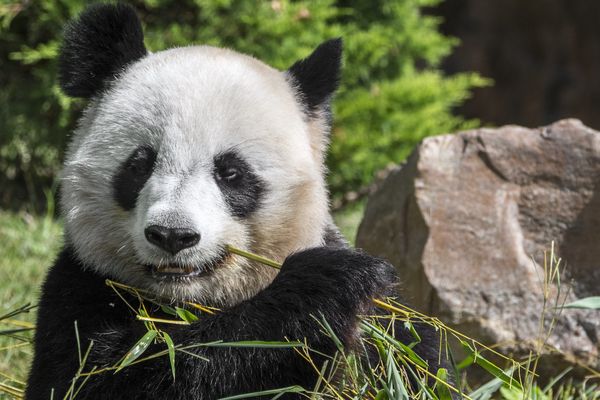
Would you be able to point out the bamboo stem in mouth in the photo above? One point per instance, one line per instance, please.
(253, 257)
(275, 264)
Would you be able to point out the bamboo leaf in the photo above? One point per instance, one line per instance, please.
(490, 367)
(411, 327)
(257, 344)
(395, 382)
(376, 332)
(168, 310)
(137, 350)
(171, 348)
(381, 395)
(186, 315)
(486, 391)
(331, 333)
(278, 392)
(442, 390)
(592, 303)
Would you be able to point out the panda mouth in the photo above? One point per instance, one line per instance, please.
(177, 271)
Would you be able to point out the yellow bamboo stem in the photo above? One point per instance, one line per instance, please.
(162, 321)
(253, 257)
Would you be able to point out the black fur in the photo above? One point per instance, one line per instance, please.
(317, 77)
(241, 188)
(337, 283)
(132, 176)
(97, 47)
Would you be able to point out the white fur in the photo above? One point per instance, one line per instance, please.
(190, 104)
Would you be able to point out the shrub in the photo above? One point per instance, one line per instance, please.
(393, 93)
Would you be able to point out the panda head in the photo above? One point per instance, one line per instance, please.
(184, 151)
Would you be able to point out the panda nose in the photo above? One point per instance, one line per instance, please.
(172, 240)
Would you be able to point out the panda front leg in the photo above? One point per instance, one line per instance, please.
(335, 283)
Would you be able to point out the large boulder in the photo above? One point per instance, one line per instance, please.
(467, 220)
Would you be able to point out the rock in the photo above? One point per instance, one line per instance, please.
(468, 213)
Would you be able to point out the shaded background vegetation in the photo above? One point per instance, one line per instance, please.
(393, 92)
(543, 55)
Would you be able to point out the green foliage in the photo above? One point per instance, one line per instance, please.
(27, 245)
(34, 116)
(392, 94)
(592, 303)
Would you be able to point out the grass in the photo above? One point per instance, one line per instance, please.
(28, 246)
(349, 218)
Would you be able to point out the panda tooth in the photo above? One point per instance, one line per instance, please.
(173, 269)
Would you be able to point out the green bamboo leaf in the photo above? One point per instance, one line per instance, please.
(395, 382)
(592, 303)
(171, 348)
(442, 390)
(136, 351)
(376, 332)
(278, 392)
(486, 391)
(186, 315)
(467, 362)
(410, 326)
(257, 344)
(381, 395)
(168, 310)
(490, 367)
(515, 394)
(332, 335)
(429, 392)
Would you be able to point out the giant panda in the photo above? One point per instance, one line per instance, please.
(178, 154)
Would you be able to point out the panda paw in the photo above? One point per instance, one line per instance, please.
(343, 279)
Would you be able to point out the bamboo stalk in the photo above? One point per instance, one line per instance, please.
(275, 264)
(162, 320)
(253, 257)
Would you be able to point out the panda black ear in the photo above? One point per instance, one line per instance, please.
(318, 75)
(98, 46)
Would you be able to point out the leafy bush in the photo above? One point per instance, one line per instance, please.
(392, 94)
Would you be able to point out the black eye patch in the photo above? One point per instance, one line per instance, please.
(240, 186)
(132, 176)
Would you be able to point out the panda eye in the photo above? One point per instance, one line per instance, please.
(141, 161)
(242, 189)
(229, 168)
(228, 174)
